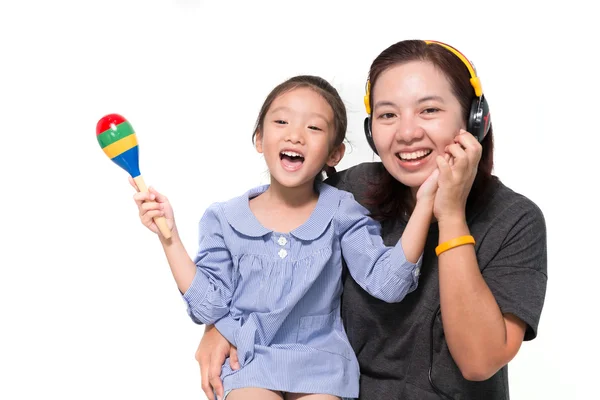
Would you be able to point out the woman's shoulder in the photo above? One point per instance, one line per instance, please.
(356, 179)
(508, 209)
(504, 197)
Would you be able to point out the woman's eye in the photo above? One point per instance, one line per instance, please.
(431, 110)
(387, 115)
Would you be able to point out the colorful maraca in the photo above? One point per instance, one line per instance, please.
(117, 138)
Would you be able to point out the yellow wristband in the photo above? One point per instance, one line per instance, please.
(450, 244)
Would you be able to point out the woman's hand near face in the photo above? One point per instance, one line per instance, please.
(457, 173)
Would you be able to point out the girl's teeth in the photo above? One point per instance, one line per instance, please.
(291, 154)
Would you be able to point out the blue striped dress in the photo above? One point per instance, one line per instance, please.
(276, 295)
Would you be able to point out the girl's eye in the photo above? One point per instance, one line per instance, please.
(280, 121)
(316, 128)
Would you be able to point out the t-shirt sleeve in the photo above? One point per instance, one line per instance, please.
(517, 273)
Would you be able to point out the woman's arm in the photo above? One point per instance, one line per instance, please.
(480, 336)
(211, 354)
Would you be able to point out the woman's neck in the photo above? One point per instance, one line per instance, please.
(413, 195)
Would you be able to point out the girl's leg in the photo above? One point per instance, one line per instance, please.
(254, 394)
(305, 396)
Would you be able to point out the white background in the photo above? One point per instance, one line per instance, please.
(88, 307)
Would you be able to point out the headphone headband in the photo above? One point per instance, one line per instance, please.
(367, 96)
(475, 81)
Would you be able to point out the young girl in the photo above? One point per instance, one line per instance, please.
(268, 269)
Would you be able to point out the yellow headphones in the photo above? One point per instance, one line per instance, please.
(475, 82)
(479, 115)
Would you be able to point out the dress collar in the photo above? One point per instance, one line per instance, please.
(240, 217)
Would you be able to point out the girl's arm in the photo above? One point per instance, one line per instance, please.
(182, 266)
(415, 234)
(210, 291)
(384, 272)
(152, 204)
(206, 283)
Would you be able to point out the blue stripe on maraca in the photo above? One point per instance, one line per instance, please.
(128, 160)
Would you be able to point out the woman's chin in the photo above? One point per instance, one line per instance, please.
(412, 179)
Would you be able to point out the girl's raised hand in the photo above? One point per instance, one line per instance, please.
(152, 204)
(429, 188)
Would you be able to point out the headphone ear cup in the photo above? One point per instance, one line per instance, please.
(369, 135)
(474, 122)
(479, 118)
(485, 116)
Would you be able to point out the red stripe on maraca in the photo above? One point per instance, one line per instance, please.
(105, 122)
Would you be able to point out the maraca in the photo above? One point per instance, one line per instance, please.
(118, 141)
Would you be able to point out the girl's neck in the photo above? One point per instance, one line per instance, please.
(279, 195)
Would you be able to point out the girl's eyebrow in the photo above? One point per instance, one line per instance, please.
(284, 108)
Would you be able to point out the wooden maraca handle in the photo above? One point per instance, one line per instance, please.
(161, 222)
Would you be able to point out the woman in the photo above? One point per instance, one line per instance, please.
(483, 276)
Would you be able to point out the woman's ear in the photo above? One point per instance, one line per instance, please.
(336, 155)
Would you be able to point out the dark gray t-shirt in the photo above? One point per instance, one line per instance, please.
(393, 341)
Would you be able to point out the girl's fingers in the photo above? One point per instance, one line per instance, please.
(141, 197)
(151, 205)
(132, 183)
(160, 197)
(149, 216)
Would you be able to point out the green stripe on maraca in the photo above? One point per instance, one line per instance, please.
(110, 136)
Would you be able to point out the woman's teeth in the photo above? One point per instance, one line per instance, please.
(415, 155)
